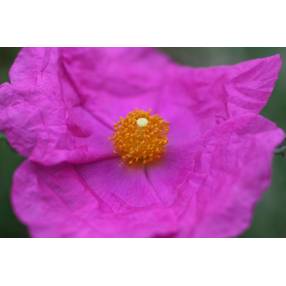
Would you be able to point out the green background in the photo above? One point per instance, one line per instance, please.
(270, 213)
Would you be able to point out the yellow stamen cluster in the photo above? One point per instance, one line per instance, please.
(140, 138)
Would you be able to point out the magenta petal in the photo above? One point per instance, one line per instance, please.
(48, 132)
(195, 100)
(169, 175)
(235, 165)
(61, 104)
(114, 81)
(122, 188)
(208, 190)
(69, 201)
(251, 84)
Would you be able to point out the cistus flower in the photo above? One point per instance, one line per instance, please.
(123, 142)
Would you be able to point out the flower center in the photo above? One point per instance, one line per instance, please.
(140, 138)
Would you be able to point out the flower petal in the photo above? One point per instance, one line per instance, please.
(207, 190)
(103, 199)
(235, 164)
(195, 100)
(115, 81)
(61, 104)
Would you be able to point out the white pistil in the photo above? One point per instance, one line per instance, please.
(142, 122)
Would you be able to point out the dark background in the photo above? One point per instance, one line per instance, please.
(270, 213)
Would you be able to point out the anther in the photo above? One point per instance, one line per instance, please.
(140, 138)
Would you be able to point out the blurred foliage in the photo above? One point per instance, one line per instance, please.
(270, 213)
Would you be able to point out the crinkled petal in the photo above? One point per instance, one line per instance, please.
(61, 104)
(195, 100)
(235, 166)
(114, 81)
(205, 189)
(103, 199)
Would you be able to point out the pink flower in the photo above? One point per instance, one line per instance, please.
(194, 166)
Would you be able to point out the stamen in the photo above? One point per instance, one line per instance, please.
(140, 138)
